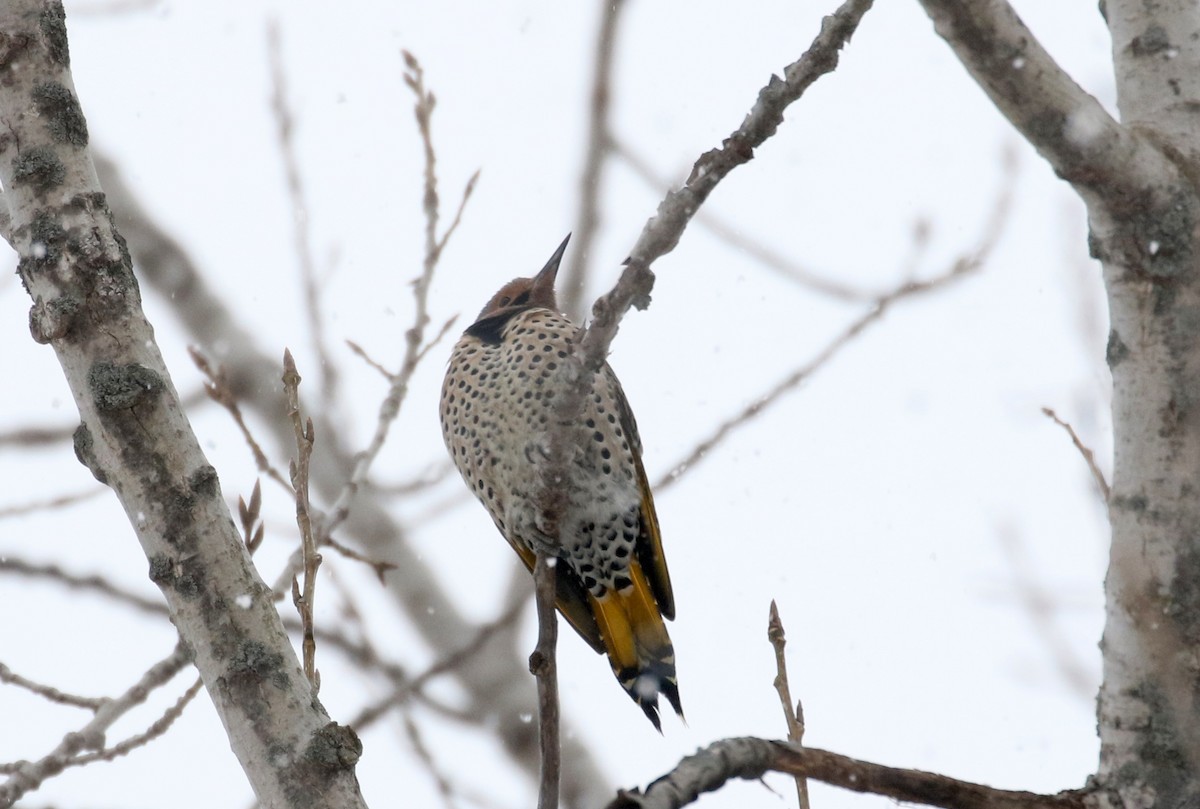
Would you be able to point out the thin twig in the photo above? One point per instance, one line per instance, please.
(793, 717)
(30, 775)
(356, 652)
(962, 266)
(51, 436)
(301, 235)
(220, 391)
(156, 729)
(714, 224)
(662, 233)
(51, 502)
(49, 692)
(573, 282)
(95, 584)
(799, 375)
(390, 407)
(543, 666)
(451, 661)
(445, 786)
(378, 565)
(1040, 604)
(1089, 457)
(432, 475)
(308, 545)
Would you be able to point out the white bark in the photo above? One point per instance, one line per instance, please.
(134, 436)
(1144, 210)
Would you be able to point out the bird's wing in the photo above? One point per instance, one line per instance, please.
(649, 548)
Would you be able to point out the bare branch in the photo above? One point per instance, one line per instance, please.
(51, 693)
(29, 776)
(663, 230)
(134, 435)
(750, 758)
(156, 729)
(379, 566)
(1088, 456)
(543, 666)
(452, 661)
(1069, 128)
(573, 282)
(50, 436)
(962, 266)
(1039, 603)
(50, 503)
(184, 288)
(390, 407)
(284, 134)
(93, 584)
(221, 391)
(793, 716)
(445, 786)
(799, 375)
(771, 259)
(308, 544)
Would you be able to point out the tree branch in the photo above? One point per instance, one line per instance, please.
(30, 775)
(134, 435)
(750, 759)
(663, 230)
(599, 148)
(1067, 126)
(661, 233)
(543, 666)
(497, 684)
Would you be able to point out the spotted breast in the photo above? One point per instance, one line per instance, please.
(506, 375)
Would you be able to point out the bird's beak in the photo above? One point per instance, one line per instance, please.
(544, 280)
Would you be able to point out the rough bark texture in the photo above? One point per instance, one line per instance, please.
(134, 436)
(1149, 724)
(1137, 179)
(709, 769)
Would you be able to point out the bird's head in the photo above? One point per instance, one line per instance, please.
(525, 293)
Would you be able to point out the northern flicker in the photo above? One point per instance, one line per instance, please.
(498, 402)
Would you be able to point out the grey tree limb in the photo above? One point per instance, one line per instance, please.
(749, 758)
(497, 683)
(134, 436)
(1137, 178)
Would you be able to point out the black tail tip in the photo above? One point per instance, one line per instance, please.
(645, 687)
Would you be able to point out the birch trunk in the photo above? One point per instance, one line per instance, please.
(1138, 178)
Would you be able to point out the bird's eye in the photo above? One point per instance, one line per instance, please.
(505, 300)
(521, 299)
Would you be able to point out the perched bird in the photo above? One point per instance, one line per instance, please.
(505, 378)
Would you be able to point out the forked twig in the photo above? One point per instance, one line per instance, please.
(29, 775)
(794, 717)
(415, 348)
(308, 544)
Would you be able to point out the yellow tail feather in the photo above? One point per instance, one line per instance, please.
(638, 646)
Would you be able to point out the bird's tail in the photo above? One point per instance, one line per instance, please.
(638, 646)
